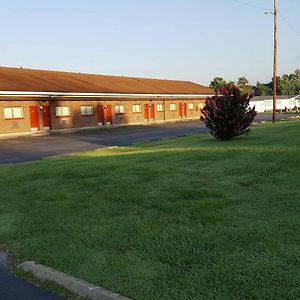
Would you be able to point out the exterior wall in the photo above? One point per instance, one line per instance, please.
(259, 106)
(76, 120)
(284, 103)
(281, 104)
(16, 125)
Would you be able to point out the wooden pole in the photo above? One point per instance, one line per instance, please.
(275, 63)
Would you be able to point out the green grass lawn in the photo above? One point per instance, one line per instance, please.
(185, 218)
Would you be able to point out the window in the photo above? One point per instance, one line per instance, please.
(119, 109)
(160, 107)
(191, 106)
(172, 106)
(136, 108)
(13, 112)
(87, 110)
(62, 111)
(201, 105)
(292, 102)
(279, 102)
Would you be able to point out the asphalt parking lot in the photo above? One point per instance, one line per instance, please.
(15, 288)
(21, 149)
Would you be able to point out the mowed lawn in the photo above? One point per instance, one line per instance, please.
(185, 218)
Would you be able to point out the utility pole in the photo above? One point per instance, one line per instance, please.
(275, 63)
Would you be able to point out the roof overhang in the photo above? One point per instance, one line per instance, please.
(95, 95)
(279, 97)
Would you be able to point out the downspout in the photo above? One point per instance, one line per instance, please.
(164, 106)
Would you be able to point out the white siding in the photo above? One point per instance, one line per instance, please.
(267, 105)
(259, 105)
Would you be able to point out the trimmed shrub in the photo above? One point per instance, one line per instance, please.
(228, 114)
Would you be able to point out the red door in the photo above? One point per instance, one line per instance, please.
(184, 110)
(108, 114)
(146, 112)
(180, 110)
(152, 112)
(34, 118)
(46, 117)
(100, 115)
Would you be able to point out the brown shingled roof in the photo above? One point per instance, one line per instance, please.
(28, 80)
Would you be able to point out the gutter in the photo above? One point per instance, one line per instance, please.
(93, 95)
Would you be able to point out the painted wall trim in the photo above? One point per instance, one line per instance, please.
(93, 95)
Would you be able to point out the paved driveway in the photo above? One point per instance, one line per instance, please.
(35, 147)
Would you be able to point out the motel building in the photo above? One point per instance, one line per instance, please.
(38, 101)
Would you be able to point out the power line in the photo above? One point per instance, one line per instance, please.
(269, 10)
(289, 24)
(251, 5)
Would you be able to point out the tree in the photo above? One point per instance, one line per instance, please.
(286, 85)
(260, 89)
(297, 74)
(243, 85)
(218, 83)
(270, 85)
(297, 82)
(227, 114)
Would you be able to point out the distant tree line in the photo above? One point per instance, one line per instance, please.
(286, 85)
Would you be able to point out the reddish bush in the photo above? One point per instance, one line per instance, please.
(227, 114)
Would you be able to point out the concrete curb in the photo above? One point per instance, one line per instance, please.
(75, 285)
(6, 136)
(5, 259)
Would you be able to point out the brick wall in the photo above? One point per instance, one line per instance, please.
(15, 125)
(76, 120)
